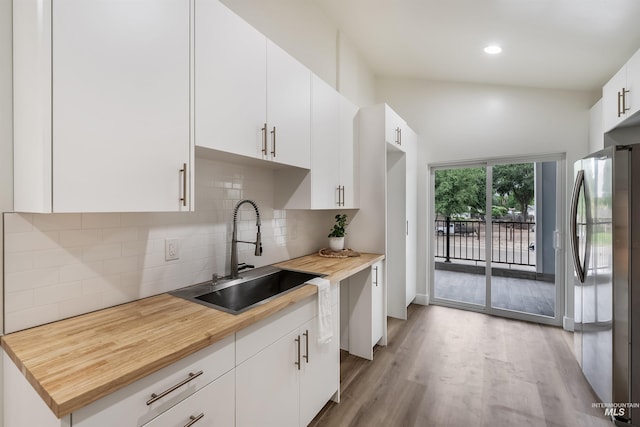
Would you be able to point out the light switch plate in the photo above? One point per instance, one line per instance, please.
(171, 249)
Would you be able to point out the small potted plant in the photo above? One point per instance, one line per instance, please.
(336, 237)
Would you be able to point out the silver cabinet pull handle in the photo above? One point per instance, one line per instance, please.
(619, 99)
(400, 133)
(376, 270)
(183, 171)
(306, 335)
(343, 195)
(264, 139)
(194, 420)
(338, 202)
(298, 361)
(155, 397)
(273, 148)
(624, 101)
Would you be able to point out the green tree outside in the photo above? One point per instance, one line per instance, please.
(459, 191)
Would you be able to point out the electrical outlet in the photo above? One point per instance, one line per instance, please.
(171, 249)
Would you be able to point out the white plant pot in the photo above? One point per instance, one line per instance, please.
(336, 243)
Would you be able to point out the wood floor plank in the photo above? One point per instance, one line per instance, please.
(447, 368)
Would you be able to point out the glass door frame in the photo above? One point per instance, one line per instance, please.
(560, 253)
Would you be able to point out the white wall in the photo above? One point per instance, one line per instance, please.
(596, 127)
(459, 122)
(303, 29)
(6, 135)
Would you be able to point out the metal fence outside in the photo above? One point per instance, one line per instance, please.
(513, 242)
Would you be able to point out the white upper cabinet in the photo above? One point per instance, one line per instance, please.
(325, 145)
(331, 183)
(102, 106)
(393, 127)
(251, 97)
(288, 108)
(348, 155)
(621, 94)
(230, 81)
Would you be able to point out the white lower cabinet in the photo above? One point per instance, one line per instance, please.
(267, 392)
(320, 371)
(282, 377)
(366, 324)
(214, 405)
(133, 404)
(287, 381)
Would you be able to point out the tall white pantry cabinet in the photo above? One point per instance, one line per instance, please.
(96, 97)
(386, 222)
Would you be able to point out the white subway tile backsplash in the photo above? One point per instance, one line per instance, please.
(100, 220)
(46, 222)
(30, 241)
(120, 234)
(27, 318)
(57, 293)
(90, 237)
(58, 257)
(30, 279)
(18, 223)
(62, 265)
(81, 271)
(101, 252)
(19, 261)
(120, 265)
(18, 301)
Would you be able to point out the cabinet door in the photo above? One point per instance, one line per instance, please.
(411, 145)
(267, 388)
(348, 167)
(230, 81)
(610, 102)
(214, 405)
(288, 108)
(121, 126)
(320, 377)
(378, 317)
(325, 159)
(393, 127)
(632, 100)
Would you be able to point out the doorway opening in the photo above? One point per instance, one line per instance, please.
(495, 234)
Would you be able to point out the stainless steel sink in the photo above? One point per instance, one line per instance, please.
(253, 288)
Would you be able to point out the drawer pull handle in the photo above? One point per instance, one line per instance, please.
(183, 199)
(306, 335)
(194, 420)
(155, 397)
(297, 362)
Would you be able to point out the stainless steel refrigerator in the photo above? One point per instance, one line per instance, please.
(605, 231)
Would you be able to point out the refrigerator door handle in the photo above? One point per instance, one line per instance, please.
(577, 263)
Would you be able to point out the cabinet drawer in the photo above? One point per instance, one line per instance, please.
(128, 406)
(213, 405)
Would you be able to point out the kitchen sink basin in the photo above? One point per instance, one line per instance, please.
(255, 287)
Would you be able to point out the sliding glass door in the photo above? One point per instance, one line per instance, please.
(494, 243)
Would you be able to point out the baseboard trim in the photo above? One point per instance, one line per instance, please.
(567, 323)
(421, 299)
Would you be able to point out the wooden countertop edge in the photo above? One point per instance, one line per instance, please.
(243, 320)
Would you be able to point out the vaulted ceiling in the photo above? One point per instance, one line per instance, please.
(564, 44)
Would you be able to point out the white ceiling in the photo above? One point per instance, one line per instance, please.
(566, 44)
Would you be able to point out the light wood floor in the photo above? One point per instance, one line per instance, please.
(448, 367)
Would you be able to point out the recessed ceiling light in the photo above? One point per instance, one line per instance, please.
(493, 49)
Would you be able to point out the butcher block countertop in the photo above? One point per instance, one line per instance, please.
(74, 362)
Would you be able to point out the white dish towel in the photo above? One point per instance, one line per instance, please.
(325, 324)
